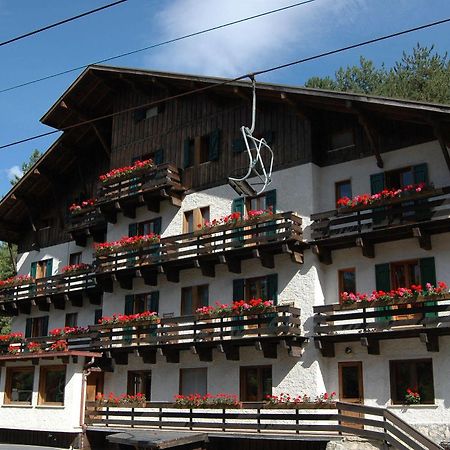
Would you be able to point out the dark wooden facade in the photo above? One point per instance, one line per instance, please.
(300, 123)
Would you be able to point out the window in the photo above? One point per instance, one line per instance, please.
(416, 375)
(201, 149)
(147, 113)
(342, 139)
(51, 385)
(42, 269)
(260, 287)
(98, 313)
(193, 381)
(192, 298)
(343, 189)
(256, 288)
(75, 258)
(405, 273)
(399, 178)
(71, 320)
(195, 219)
(19, 385)
(36, 326)
(140, 382)
(347, 280)
(145, 302)
(256, 383)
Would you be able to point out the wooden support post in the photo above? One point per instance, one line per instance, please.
(295, 349)
(371, 134)
(324, 254)
(105, 281)
(76, 298)
(172, 274)
(372, 345)
(120, 358)
(267, 259)
(208, 268)
(325, 347)
(423, 238)
(430, 340)
(205, 354)
(125, 280)
(172, 355)
(269, 349)
(150, 276)
(233, 264)
(231, 352)
(148, 355)
(368, 248)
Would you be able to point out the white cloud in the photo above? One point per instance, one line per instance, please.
(247, 46)
(14, 172)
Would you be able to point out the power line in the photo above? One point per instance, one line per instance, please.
(159, 44)
(61, 22)
(228, 81)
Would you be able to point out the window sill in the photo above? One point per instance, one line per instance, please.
(16, 405)
(49, 406)
(430, 406)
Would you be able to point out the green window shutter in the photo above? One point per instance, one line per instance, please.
(33, 270)
(272, 288)
(214, 145)
(153, 302)
(157, 225)
(383, 283)
(238, 145)
(428, 275)
(187, 154)
(377, 184)
(129, 304)
(45, 326)
(132, 229)
(49, 267)
(421, 173)
(159, 156)
(238, 289)
(28, 327)
(238, 205)
(271, 200)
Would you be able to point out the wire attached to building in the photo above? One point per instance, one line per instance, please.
(228, 81)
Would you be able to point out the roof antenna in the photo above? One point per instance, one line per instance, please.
(257, 151)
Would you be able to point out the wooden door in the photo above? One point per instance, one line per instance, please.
(94, 385)
(351, 386)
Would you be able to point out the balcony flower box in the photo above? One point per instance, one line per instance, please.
(250, 307)
(126, 172)
(126, 244)
(413, 294)
(383, 198)
(286, 401)
(122, 320)
(68, 331)
(85, 206)
(208, 401)
(17, 280)
(123, 400)
(11, 338)
(75, 269)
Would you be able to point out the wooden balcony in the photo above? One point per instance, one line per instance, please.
(358, 420)
(88, 223)
(228, 244)
(424, 320)
(148, 188)
(56, 290)
(199, 335)
(417, 216)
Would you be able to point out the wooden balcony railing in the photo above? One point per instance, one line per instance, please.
(365, 421)
(426, 320)
(262, 238)
(148, 187)
(201, 335)
(90, 222)
(44, 291)
(419, 215)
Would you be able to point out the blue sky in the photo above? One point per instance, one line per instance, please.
(297, 33)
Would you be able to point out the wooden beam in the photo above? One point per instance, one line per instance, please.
(231, 352)
(105, 281)
(438, 132)
(325, 347)
(172, 355)
(205, 354)
(267, 259)
(233, 264)
(367, 247)
(208, 268)
(148, 355)
(423, 237)
(323, 253)
(125, 280)
(269, 349)
(301, 112)
(372, 345)
(150, 276)
(120, 358)
(430, 340)
(172, 274)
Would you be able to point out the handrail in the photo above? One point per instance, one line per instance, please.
(259, 418)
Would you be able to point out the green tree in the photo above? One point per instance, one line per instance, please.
(7, 270)
(421, 75)
(26, 166)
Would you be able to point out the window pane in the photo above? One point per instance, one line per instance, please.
(186, 301)
(71, 320)
(347, 280)
(193, 381)
(343, 189)
(266, 382)
(140, 383)
(202, 296)
(54, 386)
(21, 386)
(398, 276)
(350, 382)
(251, 384)
(75, 258)
(425, 384)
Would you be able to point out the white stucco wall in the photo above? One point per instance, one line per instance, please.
(42, 417)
